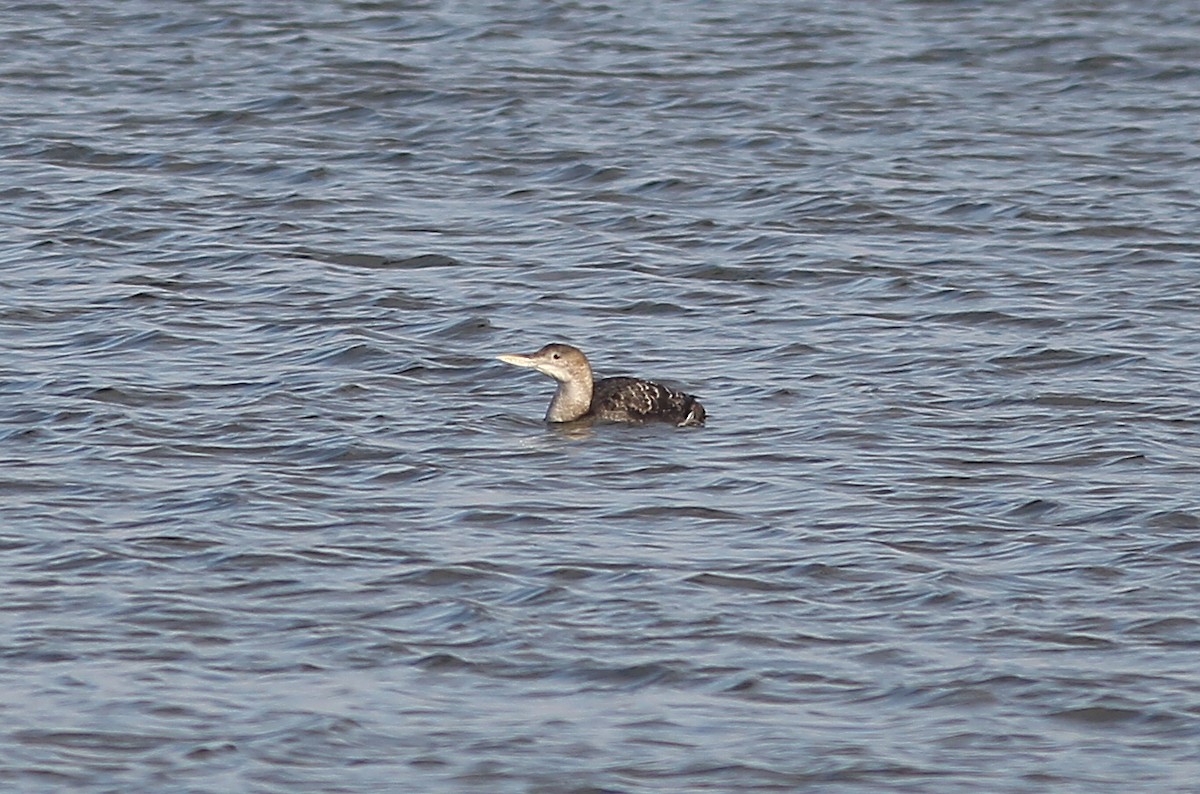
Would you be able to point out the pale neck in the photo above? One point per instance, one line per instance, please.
(572, 400)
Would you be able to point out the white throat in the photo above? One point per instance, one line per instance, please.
(571, 401)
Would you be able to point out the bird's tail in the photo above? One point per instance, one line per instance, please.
(695, 415)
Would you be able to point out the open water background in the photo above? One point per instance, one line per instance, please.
(275, 520)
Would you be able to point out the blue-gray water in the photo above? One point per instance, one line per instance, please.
(274, 519)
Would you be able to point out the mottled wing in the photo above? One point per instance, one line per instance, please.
(634, 400)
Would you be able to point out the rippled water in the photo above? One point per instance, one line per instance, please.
(275, 520)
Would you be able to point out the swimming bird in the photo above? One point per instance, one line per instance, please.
(619, 399)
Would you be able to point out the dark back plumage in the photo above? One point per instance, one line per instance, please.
(624, 399)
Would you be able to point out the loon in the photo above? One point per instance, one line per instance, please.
(608, 399)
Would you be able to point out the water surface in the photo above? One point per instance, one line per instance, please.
(275, 520)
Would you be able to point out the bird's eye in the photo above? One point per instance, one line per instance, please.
(556, 355)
